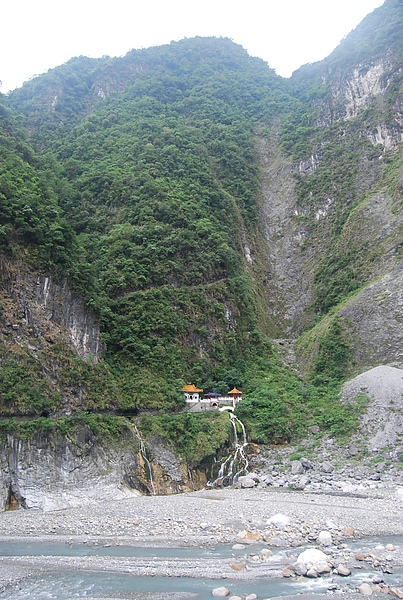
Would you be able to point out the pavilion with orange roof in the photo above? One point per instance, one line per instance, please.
(192, 393)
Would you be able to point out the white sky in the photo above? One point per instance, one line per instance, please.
(37, 35)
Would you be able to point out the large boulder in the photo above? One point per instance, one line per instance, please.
(312, 558)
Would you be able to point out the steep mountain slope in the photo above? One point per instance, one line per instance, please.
(47, 333)
(350, 182)
(204, 207)
(159, 183)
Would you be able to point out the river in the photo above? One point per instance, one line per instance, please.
(53, 578)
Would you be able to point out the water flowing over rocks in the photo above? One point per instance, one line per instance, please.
(322, 494)
(50, 474)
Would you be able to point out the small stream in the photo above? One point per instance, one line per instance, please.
(66, 584)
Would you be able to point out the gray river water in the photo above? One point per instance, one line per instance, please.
(68, 584)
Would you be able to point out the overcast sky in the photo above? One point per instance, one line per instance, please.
(37, 35)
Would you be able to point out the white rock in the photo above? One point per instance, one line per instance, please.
(327, 467)
(220, 592)
(279, 520)
(238, 547)
(246, 482)
(299, 568)
(251, 597)
(323, 568)
(255, 558)
(343, 570)
(325, 538)
(312, 557)
(296, 467)
(303, 480)
(365, 589)
(399, 493)
(331, 524)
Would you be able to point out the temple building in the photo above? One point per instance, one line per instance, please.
(191, 393)
(211, 400)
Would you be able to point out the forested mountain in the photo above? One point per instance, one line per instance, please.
(223, 226)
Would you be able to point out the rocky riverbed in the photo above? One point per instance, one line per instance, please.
(267, 529)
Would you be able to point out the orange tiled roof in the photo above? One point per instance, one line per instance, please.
(191, 389)
(235, 391)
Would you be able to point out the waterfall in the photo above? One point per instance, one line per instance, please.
(144, 455)
(236, 460)
(239, 449)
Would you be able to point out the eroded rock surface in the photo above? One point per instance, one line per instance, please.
(38, 303)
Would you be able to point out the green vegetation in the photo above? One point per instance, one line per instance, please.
(195, 436)
(139, 182)
(159, 184)
(55, 379)
(31, 224)
(24, 388)
(102, 427)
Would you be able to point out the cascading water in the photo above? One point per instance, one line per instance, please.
(144, 455)
(236, 463)
(240, 455)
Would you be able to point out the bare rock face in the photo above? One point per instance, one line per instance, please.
(44, 307)
(55, 472)
(170, 474)
(288, 278)
(357, 88)
(374, 318)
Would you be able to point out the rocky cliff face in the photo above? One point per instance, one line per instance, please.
(52, 472)
(337, 228)
(41, 308)
(55, 471)
(287, 284)
(373, 319)
(366, 87)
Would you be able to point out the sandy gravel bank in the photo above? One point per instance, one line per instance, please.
(200, 519)
(209, 516)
